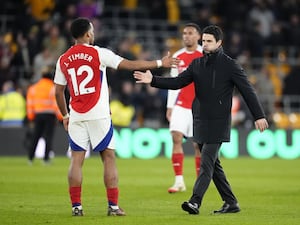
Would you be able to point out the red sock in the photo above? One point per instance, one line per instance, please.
(177, 161)
(112, 196)
(75, 195)
(197, 165)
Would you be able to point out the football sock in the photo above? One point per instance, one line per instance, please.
(177, 162)
(179, 179)
(197, 165)
(112, 196)
(75, 195)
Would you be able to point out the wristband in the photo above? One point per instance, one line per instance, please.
(66, 116)
(159, 63)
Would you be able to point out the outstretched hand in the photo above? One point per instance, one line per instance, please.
(143, 77)
(168, 61)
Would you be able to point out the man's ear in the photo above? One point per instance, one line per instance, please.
(88, 34)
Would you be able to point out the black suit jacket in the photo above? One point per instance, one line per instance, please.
(215, 75)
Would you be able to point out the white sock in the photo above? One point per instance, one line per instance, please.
(114, 207)
(179, 179)
(79, 207)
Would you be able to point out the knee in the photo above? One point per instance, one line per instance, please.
(108, 155)
(177, 137)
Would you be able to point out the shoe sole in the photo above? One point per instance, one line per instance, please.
(188, 209)
(175, 191)
(172, 191)
(116, 213)
(231, 211)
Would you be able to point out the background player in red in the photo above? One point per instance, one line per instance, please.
(83, 69)
(179, 106)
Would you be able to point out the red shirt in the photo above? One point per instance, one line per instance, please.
(186, 95)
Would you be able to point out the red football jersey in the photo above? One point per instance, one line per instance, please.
(83, 68)
(186, 95)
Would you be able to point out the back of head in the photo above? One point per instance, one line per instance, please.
(8, 86)
(79, 27)
(47, 72)
(215, 31)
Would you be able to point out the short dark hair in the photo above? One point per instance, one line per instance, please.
(79, 27)
(47, 72)
(215, 31)
(193, 25)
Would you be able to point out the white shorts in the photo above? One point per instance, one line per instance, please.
(96, 135)
(182, 121)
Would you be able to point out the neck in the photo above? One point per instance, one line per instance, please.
(191, 48)
(81, 41)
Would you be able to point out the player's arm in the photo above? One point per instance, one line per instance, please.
(61, 103)
(60, 86)
(60, 83)
(60, 98)
(167, 61)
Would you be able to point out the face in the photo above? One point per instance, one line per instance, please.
(209, 43)
(190, 37)
(91, 35)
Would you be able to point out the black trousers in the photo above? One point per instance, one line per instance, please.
(44, 125)
(211, 169)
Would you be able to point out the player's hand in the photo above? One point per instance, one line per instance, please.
(261, 124)
(66, 123)
(142, 77)
(168, 61)
(168, 114)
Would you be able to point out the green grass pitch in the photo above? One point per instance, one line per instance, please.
(268, 192)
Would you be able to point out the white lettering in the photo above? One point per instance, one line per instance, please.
(82, 56)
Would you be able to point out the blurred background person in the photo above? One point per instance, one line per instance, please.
(12, 106)
(41, 60)
(54, 41)
(42, 113)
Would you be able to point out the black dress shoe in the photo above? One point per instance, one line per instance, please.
(191, 208)
(226, 208)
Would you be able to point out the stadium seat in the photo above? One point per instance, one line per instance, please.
(294, 119)
(281, 120)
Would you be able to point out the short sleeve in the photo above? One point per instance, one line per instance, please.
(109, 58)
(59, 77)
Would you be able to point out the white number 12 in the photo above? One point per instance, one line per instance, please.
(82, 90)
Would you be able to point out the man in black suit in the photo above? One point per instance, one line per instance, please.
(215, 75)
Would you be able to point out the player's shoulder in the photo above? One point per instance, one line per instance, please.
(184, 51)
(101, 50)
(179, 52)
(82, 48)
(226, 58)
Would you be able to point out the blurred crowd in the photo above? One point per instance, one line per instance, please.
(263, 35)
